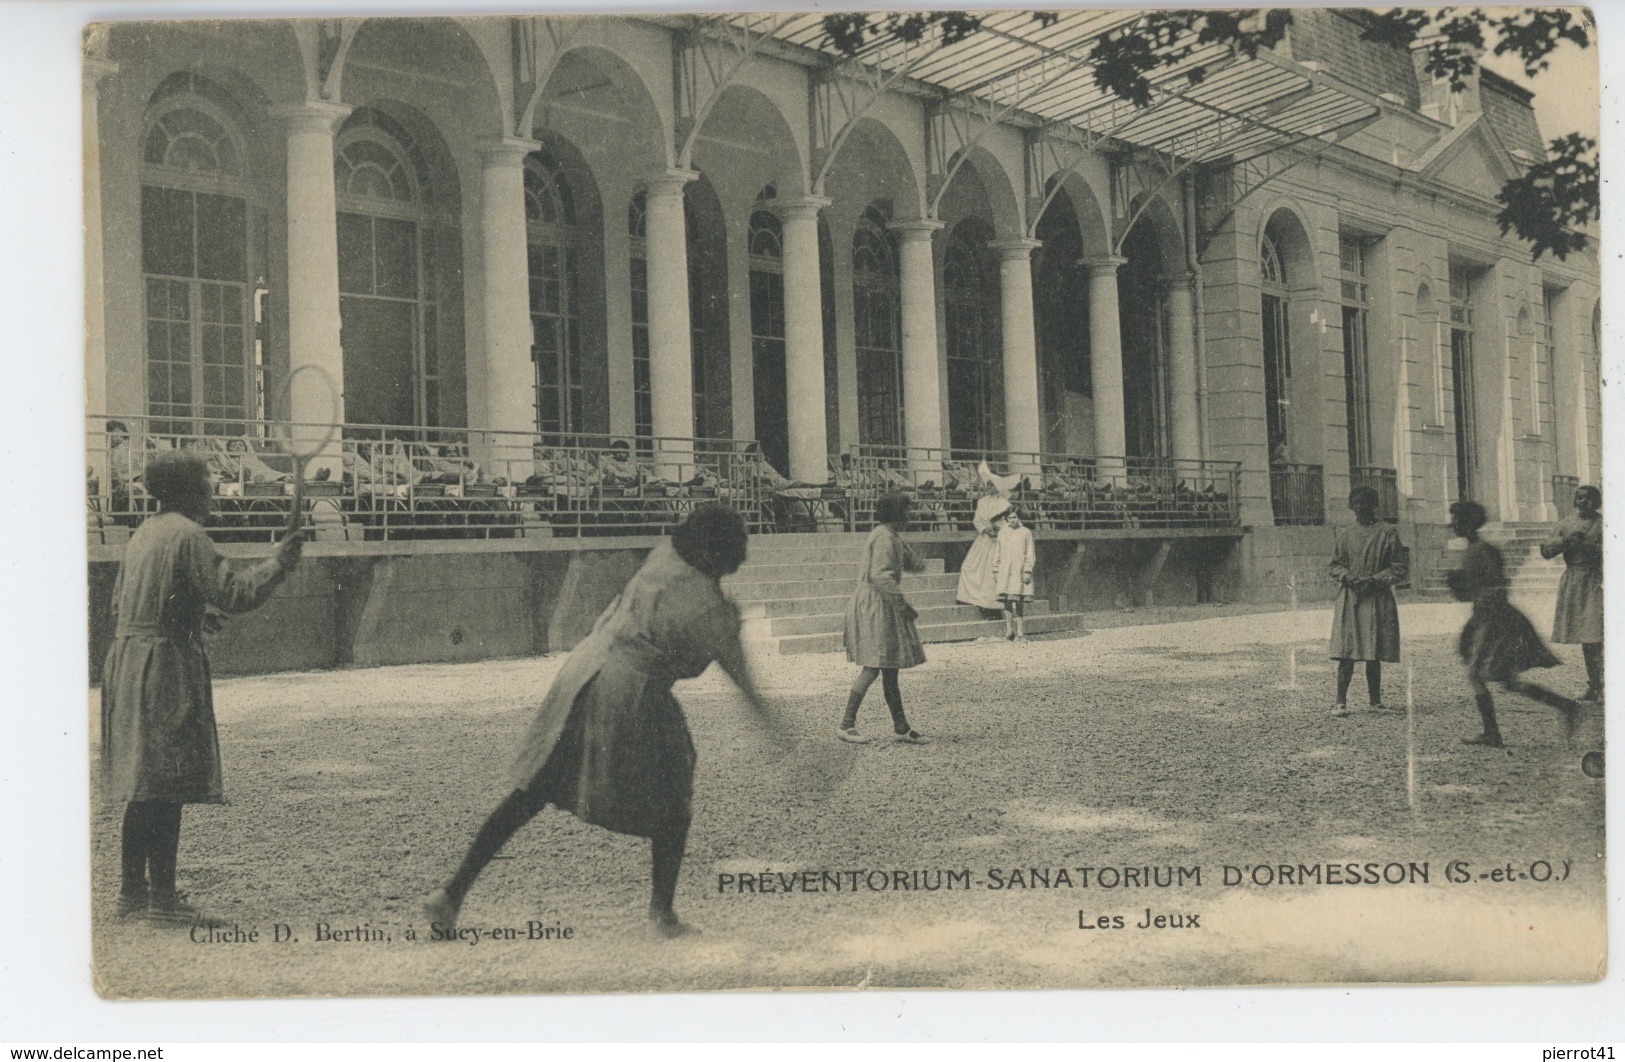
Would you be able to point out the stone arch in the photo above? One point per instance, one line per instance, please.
(873, 164)
(440, 52)
(997, 185)
(603, 103)
(1157, 225)
(1093, 233)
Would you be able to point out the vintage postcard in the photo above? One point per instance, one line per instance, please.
(779, 500)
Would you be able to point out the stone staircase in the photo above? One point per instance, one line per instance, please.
(793, 590)
(1527, 571)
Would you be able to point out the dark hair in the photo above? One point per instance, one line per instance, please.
(620, 444)
(172, 475)
(1364, 497)
(117, 425)
(1015, 512)
(1595, 492)
(892, 509)
(712, 539)
(1469, 513)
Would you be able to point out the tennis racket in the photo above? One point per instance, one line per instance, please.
(307, 387)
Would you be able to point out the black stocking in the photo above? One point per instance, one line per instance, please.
(165, 843)
(1345, 675)
(519, 808)
(894, 699)
(666, 849)
(1593, 657)
(1373, 681)
(136, 841)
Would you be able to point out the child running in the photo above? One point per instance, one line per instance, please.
(1013, 559)
(1367, 560)
(881, 637)
(160, 750)
(1499, 643)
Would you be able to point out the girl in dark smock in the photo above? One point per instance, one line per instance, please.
(159, 746)
(1367, 560)
(881, 636)
(1499, 643)
(1579, 595)
(610, 744)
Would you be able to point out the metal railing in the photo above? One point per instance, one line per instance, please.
(1385, 481)
(392, 482)
(1297, 494)
(1563, 488)
(1063, 492)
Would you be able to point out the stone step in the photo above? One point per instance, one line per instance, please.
(806, 573)
(940, 632)
(835, 622)
(780, 591)
(804, 555)
(834, 604)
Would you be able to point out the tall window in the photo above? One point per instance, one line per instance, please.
(1544, 379)
(1356, 353)
(555, 297)
(1061, 318)
(643, 414)
(1277, 346)
(387, 299)
(877, 328)
(767, 339)
(975, 384)
(1461, 378)
(195, 260)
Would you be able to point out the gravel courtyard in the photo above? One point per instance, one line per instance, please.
(1178, 745)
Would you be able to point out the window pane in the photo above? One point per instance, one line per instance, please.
(222, 230)
(166, 232)
(355, 254)
(397, 258)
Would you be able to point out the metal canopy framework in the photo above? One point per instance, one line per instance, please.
(1016, 65)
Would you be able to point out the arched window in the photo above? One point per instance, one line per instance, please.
(555, 294)
(1277, 346)
(766, 246)
(1462, 377)
(643, 414)
(387, 297)
(197, 261)
(877, 328)
(971, 313)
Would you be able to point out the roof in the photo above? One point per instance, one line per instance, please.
(1506, 108)
(1336, 38)
(1020, 67)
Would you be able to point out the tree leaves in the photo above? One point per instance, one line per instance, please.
(1548, 204)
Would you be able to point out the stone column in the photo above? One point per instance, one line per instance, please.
(95, 71)
(313, 255)
(1106, 362)
(1182, 384)
(1023, 413)
(922, 384)
(804, 340)
(671, 356)
(502, 384)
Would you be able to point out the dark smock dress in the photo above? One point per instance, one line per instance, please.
(879, 632)
(158, 730)
(1498, 642)
(1579, 595)
(610, 744)
(1365, 623)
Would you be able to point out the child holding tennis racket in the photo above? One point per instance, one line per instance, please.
(160, 751)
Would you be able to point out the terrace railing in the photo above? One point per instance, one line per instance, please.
(1297, 494)
(393, 482)
(1385, 481)
(1064, 492)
